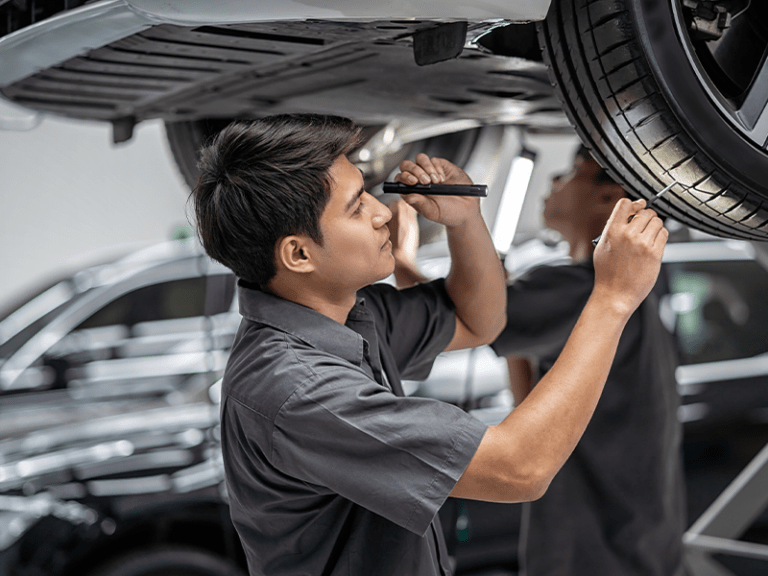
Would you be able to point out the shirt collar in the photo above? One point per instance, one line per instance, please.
(308, 325)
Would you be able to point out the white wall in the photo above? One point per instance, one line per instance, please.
(68, 196)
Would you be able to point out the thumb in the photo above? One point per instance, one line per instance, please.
(414, 200)
(423, 205)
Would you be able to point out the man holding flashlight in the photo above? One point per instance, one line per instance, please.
(330, 469)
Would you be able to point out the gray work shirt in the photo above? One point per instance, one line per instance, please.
(330, 469)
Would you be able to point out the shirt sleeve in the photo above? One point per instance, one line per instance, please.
(542, 309)
(397, 457)
(417, 323)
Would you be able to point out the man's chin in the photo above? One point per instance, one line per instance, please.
(391, 270)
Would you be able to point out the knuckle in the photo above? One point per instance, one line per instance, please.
(649, 240)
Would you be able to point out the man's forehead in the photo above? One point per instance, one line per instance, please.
(345, 176)
(587, 164)
(580, 160)
(342, 166)
(346, 182)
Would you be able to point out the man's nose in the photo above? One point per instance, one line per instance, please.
(382, 216)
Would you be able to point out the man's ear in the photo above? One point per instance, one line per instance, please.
(294, 254)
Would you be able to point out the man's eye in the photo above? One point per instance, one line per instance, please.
(358, 209)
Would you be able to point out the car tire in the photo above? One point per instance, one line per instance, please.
(631, 81)
(185, 139)
(169, 561)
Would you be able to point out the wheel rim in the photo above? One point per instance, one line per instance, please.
(732, 63)
(693, 100)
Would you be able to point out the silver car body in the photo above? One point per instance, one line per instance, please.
(74, 32)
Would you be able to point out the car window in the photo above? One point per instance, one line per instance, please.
(221, 292)
(721, 309)
(167, 301)
(125, 340)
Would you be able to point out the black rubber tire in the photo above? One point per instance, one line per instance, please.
(169, 561)
(631, 92)
(186, 138)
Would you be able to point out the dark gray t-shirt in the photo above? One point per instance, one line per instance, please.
(330, 469)
(616, 508)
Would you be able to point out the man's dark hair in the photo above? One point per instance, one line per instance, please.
(263, 180)
(601, 177)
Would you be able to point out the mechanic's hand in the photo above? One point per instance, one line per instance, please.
(447, 210)
(628, 257)
(403, 231)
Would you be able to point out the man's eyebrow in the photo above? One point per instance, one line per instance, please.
(354, 198)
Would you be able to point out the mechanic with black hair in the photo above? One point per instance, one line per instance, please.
(330, 468)
(616, 508)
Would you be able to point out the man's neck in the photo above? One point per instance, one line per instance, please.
(335, 309)
(329, 302)
(580, 249)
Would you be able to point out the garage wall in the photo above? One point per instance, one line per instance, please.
(70, 197)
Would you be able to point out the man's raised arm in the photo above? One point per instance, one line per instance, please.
(517, 459)
(476, 282)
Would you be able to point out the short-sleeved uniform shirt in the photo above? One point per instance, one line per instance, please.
(330, 469)
(616, 508)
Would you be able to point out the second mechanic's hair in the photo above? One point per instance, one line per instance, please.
(263, 180)
(601, 177)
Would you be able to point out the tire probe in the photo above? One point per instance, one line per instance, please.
(650, 203)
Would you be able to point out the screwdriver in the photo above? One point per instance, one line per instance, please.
(650, 203)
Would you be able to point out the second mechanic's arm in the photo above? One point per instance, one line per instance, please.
(518, 458)
(476, 283)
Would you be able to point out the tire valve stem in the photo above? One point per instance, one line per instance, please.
(650, 203)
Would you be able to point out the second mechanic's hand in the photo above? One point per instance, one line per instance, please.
(447, 210)
(403, 231)
(628, 259)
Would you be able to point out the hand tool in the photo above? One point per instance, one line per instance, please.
(648, 205)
